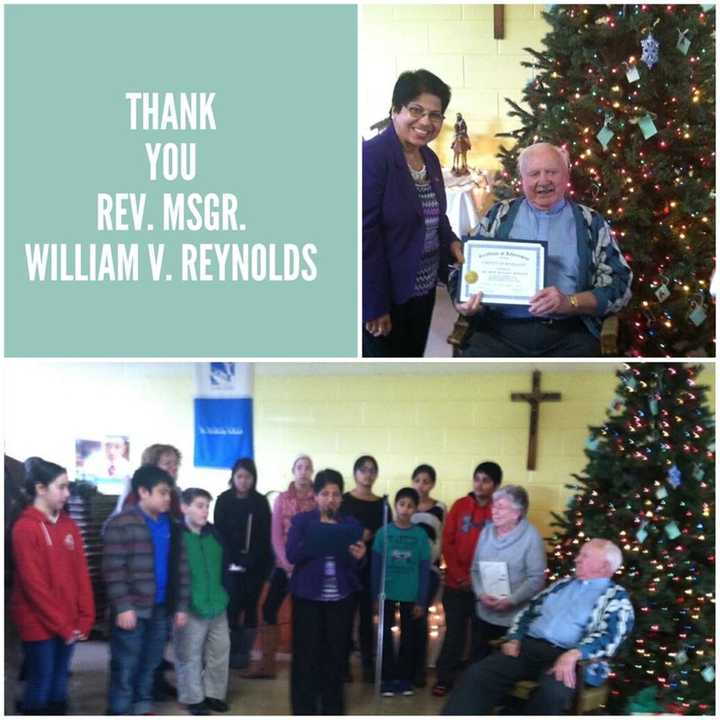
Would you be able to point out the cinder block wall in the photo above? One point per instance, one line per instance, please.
(456, 43)
(451, 421)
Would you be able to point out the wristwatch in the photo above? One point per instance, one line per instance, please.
(573, 301)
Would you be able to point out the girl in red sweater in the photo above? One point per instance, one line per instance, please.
(51, 600)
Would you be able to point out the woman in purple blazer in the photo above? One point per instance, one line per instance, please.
(326, 549)
(407, 239)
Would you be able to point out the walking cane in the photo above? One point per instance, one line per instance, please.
(381, 605)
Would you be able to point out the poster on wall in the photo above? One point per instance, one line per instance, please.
(104, 462)
(223, 413)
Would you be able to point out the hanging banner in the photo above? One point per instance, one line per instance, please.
(223, 413)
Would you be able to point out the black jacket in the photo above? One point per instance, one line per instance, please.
(232, 517)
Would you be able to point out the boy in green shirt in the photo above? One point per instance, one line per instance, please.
(406, 550)
(202, 687)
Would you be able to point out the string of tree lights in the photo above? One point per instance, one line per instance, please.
(629, 91)
(649, 486)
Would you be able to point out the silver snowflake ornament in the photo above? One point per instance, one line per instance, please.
(650, 50)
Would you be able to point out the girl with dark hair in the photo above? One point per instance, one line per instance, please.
(51, 602)
(325, 547)
(429, 516)
(367, 508)
(242, 519)
(407, 240)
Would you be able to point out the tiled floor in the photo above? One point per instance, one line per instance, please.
(246, 697)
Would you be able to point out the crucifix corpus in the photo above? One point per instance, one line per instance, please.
(534, 398)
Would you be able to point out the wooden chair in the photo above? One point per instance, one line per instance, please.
(588, 698)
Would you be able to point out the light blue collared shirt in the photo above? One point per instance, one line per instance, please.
(565, 613)
(555, 226)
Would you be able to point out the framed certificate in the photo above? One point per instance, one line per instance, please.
(508, 272)
(495, 579)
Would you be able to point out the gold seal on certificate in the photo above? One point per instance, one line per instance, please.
(507, 272)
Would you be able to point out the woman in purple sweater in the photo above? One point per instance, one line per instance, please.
(407, 239)
(326, 549)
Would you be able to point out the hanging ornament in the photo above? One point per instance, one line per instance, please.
(630, 381)
(661, 493)
(663, 292)
(647, 127)
(592, 443)
(631, 72)
(653, 405)
(708, 673)
(683, 44)
(641, 534)
(697, 312)
(650, 50)
(605, 135)
(698, 473)
(674, 476)
(681, 657)
(672, 530)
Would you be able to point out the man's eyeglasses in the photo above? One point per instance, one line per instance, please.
(418, 111)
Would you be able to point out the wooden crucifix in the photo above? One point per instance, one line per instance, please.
(534, 398)
(499, 22)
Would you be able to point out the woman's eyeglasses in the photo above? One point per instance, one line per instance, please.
(418, 111)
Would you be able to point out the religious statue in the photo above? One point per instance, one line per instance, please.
(460, 146)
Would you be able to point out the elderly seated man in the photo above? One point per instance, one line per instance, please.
(585, 617)
(587, 275)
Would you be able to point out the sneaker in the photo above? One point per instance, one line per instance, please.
(405, 688)
(198, 708)
(216, 705)
(387, 689)
(440, 689)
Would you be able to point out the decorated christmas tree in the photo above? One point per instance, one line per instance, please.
(649, 487)
(629, 90)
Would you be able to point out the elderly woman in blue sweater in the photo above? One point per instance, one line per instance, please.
(512, 541)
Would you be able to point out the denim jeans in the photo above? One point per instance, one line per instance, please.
(47, 668)
(134, 655)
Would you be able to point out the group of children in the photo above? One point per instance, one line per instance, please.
(170, 574)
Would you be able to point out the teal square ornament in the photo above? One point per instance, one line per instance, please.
(683, 45)
(605, 136)
(672, 530)
(647, 126)
(698, 315)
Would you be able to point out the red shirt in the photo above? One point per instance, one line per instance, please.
(51, 593)
(462, 528)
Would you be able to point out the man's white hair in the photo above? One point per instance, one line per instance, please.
(525, 152)
(611, 552)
